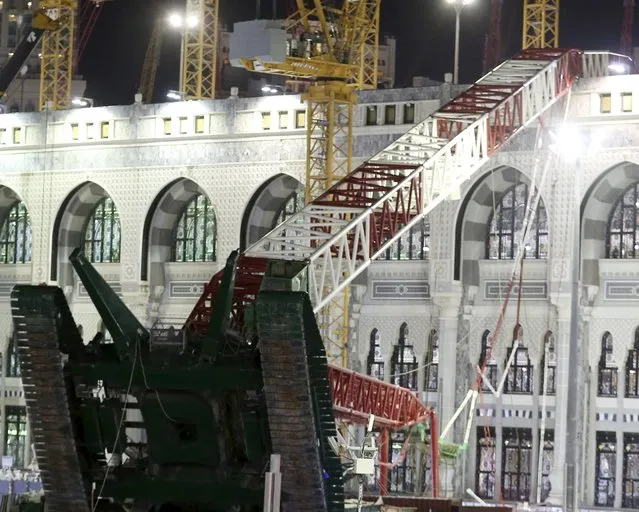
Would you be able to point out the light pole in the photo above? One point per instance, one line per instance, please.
(182, 23)
(458, 5)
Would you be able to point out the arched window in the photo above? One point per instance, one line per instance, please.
(102, 233)
(632, 369)
(196, 232)
(404, 362)
(431, 376)
(294, 203)
(375, 362)
(519, 379)
(607, 381)
(549, 365)
(507, 224)
(487, 362)
(412, 245)
(15, 235)
(623, 233)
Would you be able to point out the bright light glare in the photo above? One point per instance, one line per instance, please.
(618, 67)
(79, 102)
(173, 95)
(175, 20)
(571, 144)
(192, 21)
(460, 2)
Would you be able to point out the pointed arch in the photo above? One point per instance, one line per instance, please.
(169, 208)
(70, 229)
(632, 369)
(404, 362)
(476, 218)
(375, 360)
(607, 375)
(487, 362)
(15, 229)
(431, 363)
(598, 217)
(280, 196)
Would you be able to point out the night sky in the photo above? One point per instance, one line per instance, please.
(113, 60)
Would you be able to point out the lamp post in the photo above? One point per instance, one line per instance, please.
(458, 5)
(182, 23)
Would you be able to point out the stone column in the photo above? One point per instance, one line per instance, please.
(448, 304)
(562, 347)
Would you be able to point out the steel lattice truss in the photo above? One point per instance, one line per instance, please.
(541, 24)
(343, 230)
(56, 70)
(200, 50)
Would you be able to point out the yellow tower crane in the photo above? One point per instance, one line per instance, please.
(199, 69)
(337, 51)
(541, 24)
(56, 66)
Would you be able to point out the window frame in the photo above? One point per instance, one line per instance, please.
(431, 363)
(16, 242)
(630, 211)
(606, 372)
(112, 215)
(524, 444)
(375, 364)
(602, 447)
(184, 217)
(403, 371)
(487, 362)
(630, 448)
(20, 423)
(487, 444)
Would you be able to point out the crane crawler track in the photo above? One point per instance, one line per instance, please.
(300, 415)
(41, 315)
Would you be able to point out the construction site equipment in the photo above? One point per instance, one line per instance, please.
(151, 62)
(248, 376)
(541, 24)
(41, 23)
(56, 64)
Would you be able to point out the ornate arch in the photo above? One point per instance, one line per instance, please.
(474, 217)
(159, 225)
(596, 208)
(68, 229)
(265, 206)
(9, 200)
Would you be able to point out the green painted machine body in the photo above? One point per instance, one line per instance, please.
(167, 420)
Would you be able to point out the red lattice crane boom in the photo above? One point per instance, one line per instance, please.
(89, 11)
(626, 29)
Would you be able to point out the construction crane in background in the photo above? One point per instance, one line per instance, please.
(56, 66)
(199, 58)
(492, 46)
(336, 50)
(151, 62)
(626, 29)
(88, 14)
(541, 24)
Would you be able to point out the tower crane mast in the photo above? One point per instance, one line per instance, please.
(626, 30)
(337, 50)
(199, 71)
(541, 24)
(492, 49)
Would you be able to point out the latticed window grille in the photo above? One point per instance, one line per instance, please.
(102, 233)
(547, 460)
(507, 225)
(517, 464)
(486, 462)
(605, 469)
(487, 362)
(196, 232)
(623, 233)
(607, 375)
(404, 362)
(15, 436)
(402, 476)
(632, 369)
(412, 245)
(519, 379)
(549, 365)
(293, 204)
(15, 236)
(13, 361)
(630, 487)
(375, 361)
(431, 373)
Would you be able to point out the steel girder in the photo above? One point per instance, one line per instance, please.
(343, 230)
(541, 24)
(199, 70)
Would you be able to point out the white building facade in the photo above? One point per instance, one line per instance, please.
(129, 184)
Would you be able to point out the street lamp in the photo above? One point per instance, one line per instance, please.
(182, 23)
(458, 5)
(82, 102)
